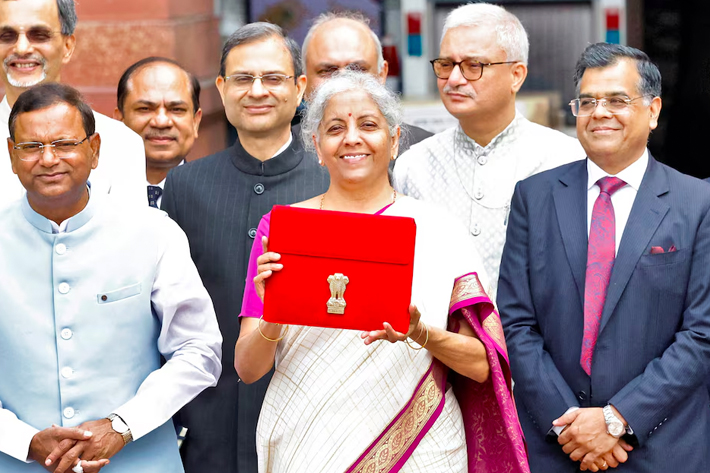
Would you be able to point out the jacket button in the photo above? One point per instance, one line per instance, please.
(259, 188)
(68, 412)
(63, 288)
(67, 372)
(252, 233)
(60, 248)
(582, 396)
(66, 333)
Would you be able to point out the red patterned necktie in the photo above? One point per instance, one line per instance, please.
(600, 261)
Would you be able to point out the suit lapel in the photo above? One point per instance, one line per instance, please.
(571, 207)
(646, 215)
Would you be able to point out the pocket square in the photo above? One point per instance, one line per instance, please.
(655, 250)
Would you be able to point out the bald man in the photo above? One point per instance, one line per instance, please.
(339, 40)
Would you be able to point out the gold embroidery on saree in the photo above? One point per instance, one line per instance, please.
(467, 287)
(400, 436)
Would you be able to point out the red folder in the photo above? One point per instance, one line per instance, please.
(340, 269)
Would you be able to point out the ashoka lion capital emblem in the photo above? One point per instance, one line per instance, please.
(336, 303)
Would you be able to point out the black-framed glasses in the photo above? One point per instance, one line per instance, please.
(471, 70)
(245, 81)
(616, 105)
(33, 150)
(35, 35)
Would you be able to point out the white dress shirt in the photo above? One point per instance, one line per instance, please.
(623, 199)
(121, 169)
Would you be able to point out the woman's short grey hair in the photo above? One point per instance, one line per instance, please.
(252, 32)
(511, 36)
(604, 55)
(357, 17)
(346, 81)
(67, 16)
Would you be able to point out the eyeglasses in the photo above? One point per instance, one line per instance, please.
(33, 150)
(585, 107)
(245, 81)
(35, 35)
(471, 70)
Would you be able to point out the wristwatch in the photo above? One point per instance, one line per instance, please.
(614, 426)
(121, 428)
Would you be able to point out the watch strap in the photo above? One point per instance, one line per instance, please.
(126, 435)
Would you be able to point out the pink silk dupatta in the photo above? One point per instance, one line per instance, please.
(494, 438)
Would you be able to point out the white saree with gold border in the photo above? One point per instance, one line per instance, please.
(331, 396)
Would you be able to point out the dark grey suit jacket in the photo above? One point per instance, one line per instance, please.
(653, 351)
(218, 201)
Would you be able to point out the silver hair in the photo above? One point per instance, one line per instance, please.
(357, 17)
(511, 36)
(348, 80)
(67, 16)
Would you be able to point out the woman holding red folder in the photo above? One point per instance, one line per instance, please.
(436, 398)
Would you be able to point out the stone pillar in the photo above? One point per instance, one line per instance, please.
(113, 34)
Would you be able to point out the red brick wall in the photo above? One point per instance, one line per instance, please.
(113, 34)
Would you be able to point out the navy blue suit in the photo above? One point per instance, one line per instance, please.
(653, 351)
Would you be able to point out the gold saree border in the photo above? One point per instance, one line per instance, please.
(469, 287)
(398, 438)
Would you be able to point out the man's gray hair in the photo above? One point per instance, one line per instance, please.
(604, 55)
(357, 17)
(252, 32)
(67, 16)
(510, 34)
(347, 80)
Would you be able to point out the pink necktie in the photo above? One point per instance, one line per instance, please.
(600, 261)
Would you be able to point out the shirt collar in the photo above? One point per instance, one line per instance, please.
(467, 143)
(632, 175)
(45, 225)
(161, 184)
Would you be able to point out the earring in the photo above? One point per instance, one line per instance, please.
(320, 162)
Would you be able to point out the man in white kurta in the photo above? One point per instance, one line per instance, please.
(93, 293)
(44, 44)
(472, 169)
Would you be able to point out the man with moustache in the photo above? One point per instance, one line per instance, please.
(471, 169)
(160, 101)
(344, 39)
(218, 201)
(95, 293)
(36, 41)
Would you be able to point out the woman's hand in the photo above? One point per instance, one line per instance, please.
(392, 335)
(267, 266)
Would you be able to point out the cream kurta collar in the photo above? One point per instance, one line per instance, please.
(466, 143)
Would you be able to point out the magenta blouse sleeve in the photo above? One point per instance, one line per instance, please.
(252, 306)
